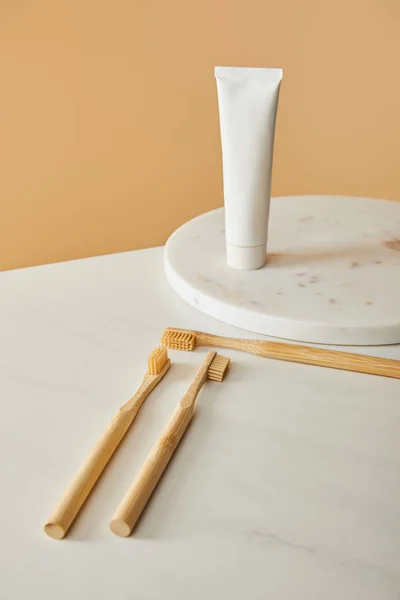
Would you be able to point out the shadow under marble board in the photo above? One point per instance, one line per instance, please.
(332, 273)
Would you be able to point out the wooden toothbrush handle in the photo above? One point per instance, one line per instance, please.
(136, 498)
(74, 497)
(333, 359)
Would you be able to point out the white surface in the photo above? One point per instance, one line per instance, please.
(248, 102)
(286, 486)
(332, 274)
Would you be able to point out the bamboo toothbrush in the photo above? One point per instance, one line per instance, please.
(128, 512)
(74, 497)
(182, 339)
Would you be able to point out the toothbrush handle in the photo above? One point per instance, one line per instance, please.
(132, 505)
(322, 357)
(74, 497)
(308, 355)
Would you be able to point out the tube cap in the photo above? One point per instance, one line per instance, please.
(246, 258)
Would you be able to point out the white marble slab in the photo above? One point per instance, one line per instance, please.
(332, 276)
(286, 486)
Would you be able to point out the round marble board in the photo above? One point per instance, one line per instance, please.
(332, 273)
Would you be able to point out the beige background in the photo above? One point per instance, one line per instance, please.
(109, 135)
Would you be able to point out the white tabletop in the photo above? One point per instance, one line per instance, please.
(286, 485)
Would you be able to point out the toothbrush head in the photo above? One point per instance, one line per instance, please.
(157, 360)
(218, 367)
(179, 339)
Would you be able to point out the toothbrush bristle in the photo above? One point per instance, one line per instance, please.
(157, 360)
(218, 367)
(177, 339)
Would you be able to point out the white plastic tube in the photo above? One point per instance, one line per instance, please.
(248, 101)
